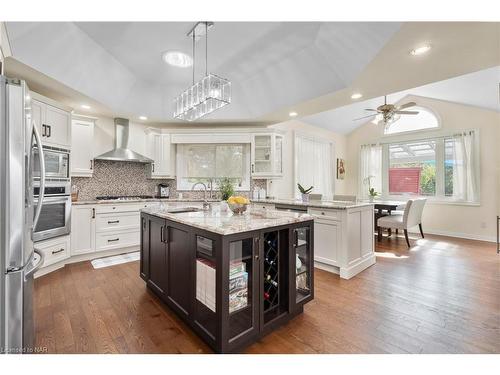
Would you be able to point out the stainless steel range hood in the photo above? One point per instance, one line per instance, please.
(121, 152)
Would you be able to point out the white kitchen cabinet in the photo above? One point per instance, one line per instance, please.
(53, 123)
(82, 229)
(327, 235)
(267, 155)
(162, 151)
(54, 250)
(82, 153)
(343, 239)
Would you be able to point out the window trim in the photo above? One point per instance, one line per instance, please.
(417, 131)
(180, 162)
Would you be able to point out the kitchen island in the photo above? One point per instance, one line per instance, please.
(231, 278)
(343, 232)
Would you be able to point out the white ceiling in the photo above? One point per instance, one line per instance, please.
(271, 65)
(480, 89)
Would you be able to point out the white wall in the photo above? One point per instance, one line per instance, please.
(285, 187)
(477, 222)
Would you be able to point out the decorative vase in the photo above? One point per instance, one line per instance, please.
(305, 197)
(298, 262)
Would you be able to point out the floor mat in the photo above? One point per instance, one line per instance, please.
(116, 259)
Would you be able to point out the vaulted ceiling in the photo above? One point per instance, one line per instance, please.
(274, 67)
(479, 89)
(271, 65)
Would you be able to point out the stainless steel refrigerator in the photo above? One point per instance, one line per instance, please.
(18, 216)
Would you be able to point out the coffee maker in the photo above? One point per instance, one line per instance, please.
(163, 190)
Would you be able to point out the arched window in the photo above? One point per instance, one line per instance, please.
(408, 123)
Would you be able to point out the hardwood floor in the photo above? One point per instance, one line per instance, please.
(440, 296)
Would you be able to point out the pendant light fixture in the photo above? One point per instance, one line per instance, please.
(207, 95)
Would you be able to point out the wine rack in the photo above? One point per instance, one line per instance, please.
(271, 271)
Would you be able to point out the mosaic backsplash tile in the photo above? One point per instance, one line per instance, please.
(126, 178)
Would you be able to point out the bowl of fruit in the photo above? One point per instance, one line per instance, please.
(238, 204)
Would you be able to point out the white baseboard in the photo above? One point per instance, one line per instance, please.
(456, 234)
(348, 272)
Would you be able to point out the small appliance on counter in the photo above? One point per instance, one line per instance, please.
(163, 190)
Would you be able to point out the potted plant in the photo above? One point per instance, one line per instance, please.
(304, 192)
(372, 193)
(226, 191)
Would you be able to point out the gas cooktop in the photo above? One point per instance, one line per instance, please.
(122, 197)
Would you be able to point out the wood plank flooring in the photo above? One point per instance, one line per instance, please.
(441, 296)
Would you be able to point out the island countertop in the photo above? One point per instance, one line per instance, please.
(339, 205)
(226, 223)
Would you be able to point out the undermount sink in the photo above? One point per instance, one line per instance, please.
(180, 210)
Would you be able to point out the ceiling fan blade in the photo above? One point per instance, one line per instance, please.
(407, 112)
(371, 109)
(407, 105)
(356, 119)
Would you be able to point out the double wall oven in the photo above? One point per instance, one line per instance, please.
(55, 215)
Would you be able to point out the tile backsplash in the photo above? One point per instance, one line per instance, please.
(126, 178)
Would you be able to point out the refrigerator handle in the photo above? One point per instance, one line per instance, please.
(41, 194)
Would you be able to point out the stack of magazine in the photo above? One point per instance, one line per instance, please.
(238, 286)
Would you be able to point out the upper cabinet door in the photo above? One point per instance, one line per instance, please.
(82, 155)
(37, 116)
(267, 155)
(162, 151)
(58, 131)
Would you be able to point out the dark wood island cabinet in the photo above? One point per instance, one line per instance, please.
(232, 279)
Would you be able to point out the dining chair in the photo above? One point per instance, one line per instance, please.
(411, 217)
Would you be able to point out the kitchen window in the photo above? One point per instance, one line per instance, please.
(210, 162)
(314, 165)
(442, 168)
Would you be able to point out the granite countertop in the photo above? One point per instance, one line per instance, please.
(342, 205)
(139, 200)
(226, 223)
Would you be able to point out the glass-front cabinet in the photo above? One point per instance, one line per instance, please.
(304, 263)
(267, 155)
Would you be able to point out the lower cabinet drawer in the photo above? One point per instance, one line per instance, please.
(118, 221)
(54, 250)
(332, 214)
(106, 240)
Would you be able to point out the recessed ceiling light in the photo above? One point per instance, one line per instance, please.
(177, 58)
(420, 50)
(293, 114)
(144, 118)
(356, 95)
(85, 106)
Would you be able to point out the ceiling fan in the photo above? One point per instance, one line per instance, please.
(388, 113)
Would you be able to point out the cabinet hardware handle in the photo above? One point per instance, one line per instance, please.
(161, 234)
(50, 131)
(143, 224)
(44, 131)
(91, 164)
(153, 167)
(58, 251)
(113, 221)
(322, 213)
(114, 239)
(253, 167)
(93, 213)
